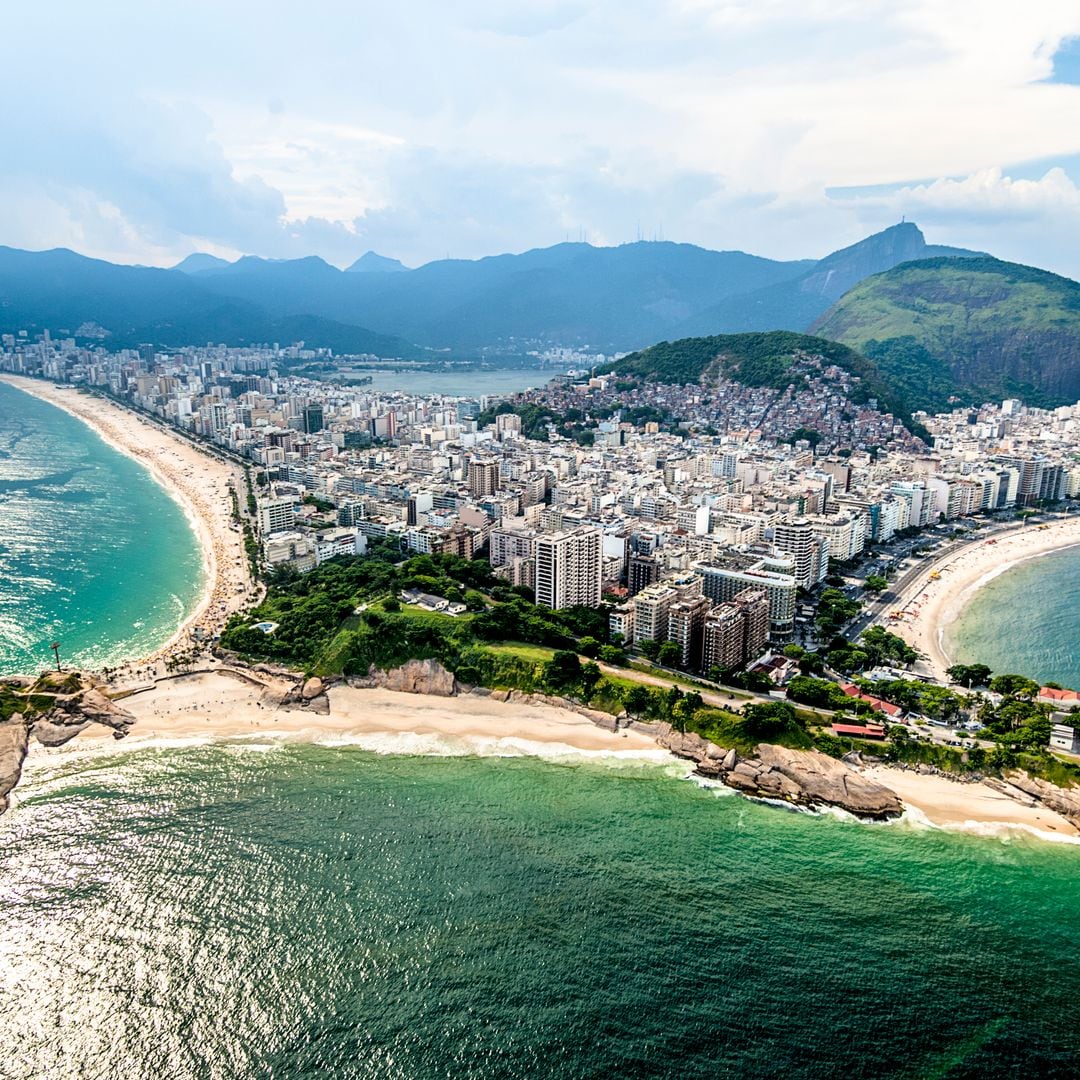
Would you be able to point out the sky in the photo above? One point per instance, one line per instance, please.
(143, 131)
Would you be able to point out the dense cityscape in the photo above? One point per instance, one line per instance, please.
(708, 531)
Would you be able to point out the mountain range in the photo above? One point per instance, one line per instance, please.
(573, 294)
(943, 325)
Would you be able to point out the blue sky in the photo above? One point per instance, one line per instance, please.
(140, 132)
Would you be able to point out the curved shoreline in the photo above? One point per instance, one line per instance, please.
(204, 499)
(932, 606)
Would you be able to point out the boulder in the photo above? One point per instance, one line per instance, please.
(49, 734)
(312, 688)
(1063, 801)
(419, 677)
(13, 739)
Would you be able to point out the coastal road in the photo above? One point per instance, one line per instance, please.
(901, 592)
(718, 698)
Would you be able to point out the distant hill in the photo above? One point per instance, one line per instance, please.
(973, 329)
(199, 260)
(758, 359)
(60, 291)
(796, 303)
(373, 263)
(608, 299)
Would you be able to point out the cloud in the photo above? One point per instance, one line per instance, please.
(472, 128)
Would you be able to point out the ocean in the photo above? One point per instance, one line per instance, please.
(201, 910)
(94, 554)
(1025, 621)
(295, 910)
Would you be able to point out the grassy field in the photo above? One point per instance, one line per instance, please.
(537, 653)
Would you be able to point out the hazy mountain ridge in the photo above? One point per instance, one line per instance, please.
(973, 330)
(60, 290)
(795, 304)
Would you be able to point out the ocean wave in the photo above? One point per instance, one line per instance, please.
(1005, 831)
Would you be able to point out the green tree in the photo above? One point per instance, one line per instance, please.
(671, 699)
(876, 583)
(669, 654)
(1014, 686)
(589, 646)
(969, 675)
(650, 648)
(637, 701)
(769, 719)
(590, 676)
(938, 702)
(563, 670)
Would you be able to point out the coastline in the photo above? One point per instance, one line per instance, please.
(969, 807)
(197, 482)
(221, 707)
(930, 607)
(217, 706)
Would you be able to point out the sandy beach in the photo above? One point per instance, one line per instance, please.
(199, 482)
(948, 803)
(223, 706)
(931, 606)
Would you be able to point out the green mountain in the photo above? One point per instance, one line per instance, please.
(61, 291)
(795, 303)
(759, 359)
(970, 330)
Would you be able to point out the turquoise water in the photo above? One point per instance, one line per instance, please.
(93, 553)
(1026, 620)
(305, 911)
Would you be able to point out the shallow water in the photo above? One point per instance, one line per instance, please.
(1025, 620)
(304, 910)
(94, 554)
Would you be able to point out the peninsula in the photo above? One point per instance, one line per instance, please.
(619, 579)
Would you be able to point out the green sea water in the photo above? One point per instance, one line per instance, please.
(94, 554)
(1025, 620)
(296, 910)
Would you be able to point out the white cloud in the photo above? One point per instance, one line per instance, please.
(475, 128)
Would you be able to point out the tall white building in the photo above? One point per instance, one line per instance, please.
(276, 515)
(569, 568)
(809, 553)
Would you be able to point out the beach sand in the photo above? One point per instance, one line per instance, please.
(223, 706)
(933, 605)
(947, 802)
(216, 705)
(199, 482)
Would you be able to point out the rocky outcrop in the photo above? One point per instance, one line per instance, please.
(13, 740)
(413, 677)
(801, 777)
(58, 707)
(1030, 789)
(312, 688)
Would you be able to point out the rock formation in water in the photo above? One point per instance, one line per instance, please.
(801, 777)
(53, 709)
